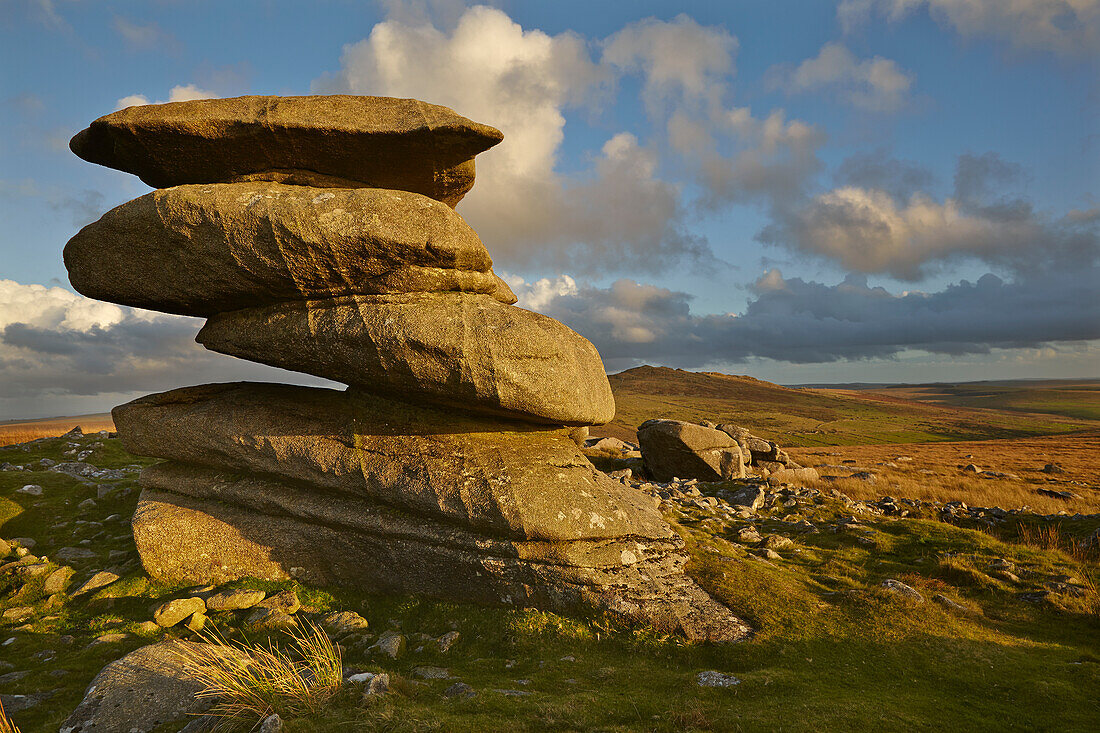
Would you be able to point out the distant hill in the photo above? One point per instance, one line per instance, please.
(808, 417)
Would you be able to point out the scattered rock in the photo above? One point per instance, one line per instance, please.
(344, 622)
(285, 601)
(712, 678)
(71, 554)
(672, 448)
(30, 489)
(459, 689)
(58, 580)
(901, 589)
(379, 685)
(1052, 468)
(447, 641)
(390, 643)
(269, 618)
(100, 580)
(234, 599)
(951, 605)
(431, 673)
(272, 724)
(172, 612)
(971, 468)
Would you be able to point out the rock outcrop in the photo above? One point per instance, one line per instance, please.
(672, 448)
(333, 141)
(308, 237)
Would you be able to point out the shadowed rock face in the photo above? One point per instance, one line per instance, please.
(501, 477)
(672, 448)
(221, 247)
(321, 141)
(466, 351)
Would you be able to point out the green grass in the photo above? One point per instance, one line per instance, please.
(833, 651)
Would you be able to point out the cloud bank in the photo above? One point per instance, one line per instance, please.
(809, 322)
(56, 345)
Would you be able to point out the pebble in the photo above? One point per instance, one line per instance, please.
(713, 678)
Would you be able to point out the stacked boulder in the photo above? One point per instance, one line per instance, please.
(317, 234)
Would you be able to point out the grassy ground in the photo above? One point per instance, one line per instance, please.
(808, 417)
(21, 431)
(1077, 399)
(833, 650)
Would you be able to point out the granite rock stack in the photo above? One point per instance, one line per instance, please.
(318, 234)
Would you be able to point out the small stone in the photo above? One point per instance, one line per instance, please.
(951, 605)
(70, 554)
(58, 580)
(360, 678)
(234, 600)
(196, 622)
(447, 641)
(30, 489)
(431, 673)
(285, 601)
(112, 638)
(148, 627)
(272, 724)
(777, 542)
(18, 614)
(390, 643)
(712, 678)
(87, 504)
(770, 554)
(971, 468)
(344, 622)
(378, 685)
(5, 548)
(901, 589)
(101, 579)
(269, 618)
(172, 612)
(459, 689)
(748, 536)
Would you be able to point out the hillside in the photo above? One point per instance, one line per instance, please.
(812, 417)
(1078, 399)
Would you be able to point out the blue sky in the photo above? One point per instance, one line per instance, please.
(874, 190)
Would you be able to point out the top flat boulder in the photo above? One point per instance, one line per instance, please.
(338, 141)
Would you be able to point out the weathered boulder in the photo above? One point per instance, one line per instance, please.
(332, 140)
(504, 477)
(143, 690)
(672, 448)
(466, 351)
(793, 475)
(186, 539)
(204, 249)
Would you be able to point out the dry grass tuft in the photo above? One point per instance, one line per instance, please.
(249, 682)
(6, 723)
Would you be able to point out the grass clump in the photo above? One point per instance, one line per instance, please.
(249, 682)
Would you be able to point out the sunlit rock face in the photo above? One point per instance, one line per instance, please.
(316, 234)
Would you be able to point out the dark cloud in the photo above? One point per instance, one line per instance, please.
(808, 322)
(877, 169)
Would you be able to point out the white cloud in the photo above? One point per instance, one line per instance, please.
(679, 59)
(1066, 27)
(56, 345)
(618, 214)
(143, 37)
(179, 93)
(875, 84)
(870, 230)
